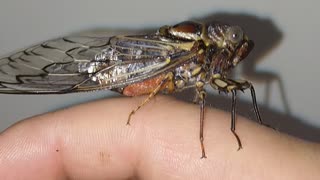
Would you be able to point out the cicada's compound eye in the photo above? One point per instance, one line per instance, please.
(234, 34)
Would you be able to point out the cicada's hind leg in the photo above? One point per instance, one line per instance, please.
(167, 81)
(228, 85)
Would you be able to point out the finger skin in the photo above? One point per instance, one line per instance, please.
(92, 141)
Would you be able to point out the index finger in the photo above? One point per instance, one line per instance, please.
(92, 141)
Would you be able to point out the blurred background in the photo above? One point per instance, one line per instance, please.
(284, 65)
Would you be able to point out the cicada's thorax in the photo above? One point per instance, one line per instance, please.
(184, 75)
(196, 70)
(223, 46)
(203, 52)
(188, 75)
(188, 30)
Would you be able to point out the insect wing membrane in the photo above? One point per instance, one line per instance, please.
(50, 67)
(81, 63)
(142, 57)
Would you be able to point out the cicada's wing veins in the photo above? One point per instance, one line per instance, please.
(140, 57)
(51, 67)
(80, 63)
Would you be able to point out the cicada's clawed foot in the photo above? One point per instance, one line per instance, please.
(129, 117)
(268, 126)
(238, 140)
(203, 151)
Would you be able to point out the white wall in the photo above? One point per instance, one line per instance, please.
(286, 34)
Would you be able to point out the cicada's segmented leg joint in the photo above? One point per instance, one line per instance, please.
(228, 85)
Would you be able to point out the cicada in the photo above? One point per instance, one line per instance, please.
(185, 55)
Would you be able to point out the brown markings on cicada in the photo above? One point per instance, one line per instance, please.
(165, 82)
(186, 30)
(148, 86)
(187, 27)
(245, 49)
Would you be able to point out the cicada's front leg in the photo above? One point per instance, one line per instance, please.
(229, 85)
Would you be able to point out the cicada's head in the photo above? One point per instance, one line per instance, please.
(232, 46)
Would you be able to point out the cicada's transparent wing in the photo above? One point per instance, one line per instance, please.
(139, 58)
(51, 67)
(79, 63)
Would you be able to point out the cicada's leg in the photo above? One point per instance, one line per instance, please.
(233, 118)
(255, 107)
(201, 97)
(167, 80)
(196, 98)
(228, 85)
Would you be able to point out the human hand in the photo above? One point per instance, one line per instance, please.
(92, 141)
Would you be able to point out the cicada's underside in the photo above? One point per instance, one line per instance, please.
(185, 55)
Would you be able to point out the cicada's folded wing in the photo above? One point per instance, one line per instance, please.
(51, 67)
(137, 58)
(79, 63)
